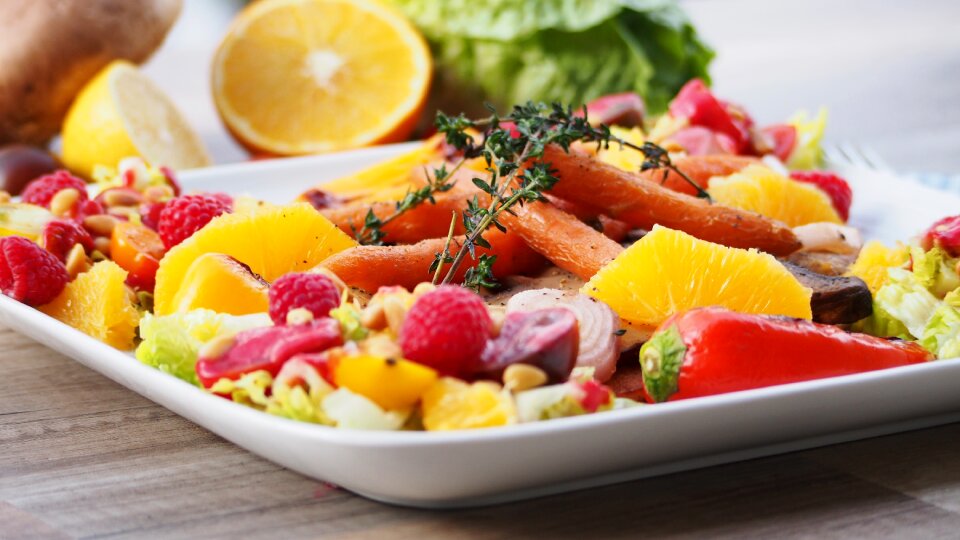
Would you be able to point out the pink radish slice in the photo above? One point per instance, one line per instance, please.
(599, 343)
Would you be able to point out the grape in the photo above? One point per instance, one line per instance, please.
(19, 164)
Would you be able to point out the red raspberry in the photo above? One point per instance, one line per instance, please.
(446, 329)
(944, 233)
(29, 274)
(183, 216)
(59, 236)
(41, 190)
(314, 292)
(835, 187)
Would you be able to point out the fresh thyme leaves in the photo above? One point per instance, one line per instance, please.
(372, 232)
(655, 157)
(512, 147)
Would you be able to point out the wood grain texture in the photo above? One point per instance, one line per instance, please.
(82, 457)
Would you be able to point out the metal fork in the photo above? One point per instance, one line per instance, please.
(852, 155)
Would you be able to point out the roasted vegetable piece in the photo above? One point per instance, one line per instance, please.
(372, 267)
(563, 239)
(426, 220)
(700, 169)
(835, 299)
(643, 204)
(714, 351)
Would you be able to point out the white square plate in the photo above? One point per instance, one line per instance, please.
(502, 464)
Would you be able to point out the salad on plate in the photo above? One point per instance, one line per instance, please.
(527, 265)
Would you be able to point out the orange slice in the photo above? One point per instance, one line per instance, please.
(221, 283)
(669, 271)
(766, 192)
(98, 304)
(306, 76)
(271, 241)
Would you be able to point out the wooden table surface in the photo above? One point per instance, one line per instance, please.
(81, 456)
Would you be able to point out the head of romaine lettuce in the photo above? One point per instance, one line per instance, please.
(508, 51)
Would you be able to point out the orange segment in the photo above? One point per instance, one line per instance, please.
(97, 303)
(221, 283)
(304, 76)
(669, 271)
(762, 190)
(453, 404)
(272, 241)
(874, 260)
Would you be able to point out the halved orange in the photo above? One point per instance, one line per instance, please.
(307, 76)
(271, 241)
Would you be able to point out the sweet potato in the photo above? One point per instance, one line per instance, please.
(50, 48)
(643, 204)
(372, 267)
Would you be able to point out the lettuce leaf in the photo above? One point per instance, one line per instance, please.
(935, 270)
(171, 342)
(942, 334)
(807, 153)
(905, 299)
(507, 52)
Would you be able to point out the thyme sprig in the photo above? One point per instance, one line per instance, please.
(518, 175)
(372, 232)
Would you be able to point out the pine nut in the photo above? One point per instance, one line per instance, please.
(216, 347)
(423, 288)
(373, 316)
(158, 193)
(102, 244)
(520, 377)
(4, 197)
(395, 311)
(299, 316)
(383, 346)
(120, 197)
(63, 202)
(100, 224)
(76, 261)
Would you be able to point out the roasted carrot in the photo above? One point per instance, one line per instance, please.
(560, 237)
(371, 267)
(643, 204)
(700, 169)
(427, 220)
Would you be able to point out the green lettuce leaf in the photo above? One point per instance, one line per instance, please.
(507, 52)
(807, 153)
(906, 300)
(171, 342)
(935, 270)
(942, 334)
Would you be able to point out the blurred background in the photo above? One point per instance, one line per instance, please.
(888, 70)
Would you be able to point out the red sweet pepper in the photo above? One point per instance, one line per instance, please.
(712, 350)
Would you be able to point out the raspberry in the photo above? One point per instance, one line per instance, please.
(59, 236)
(313, 292)
(183, 216)
(29, 274)
(835, 187)
(446, 329)
(41, 190)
